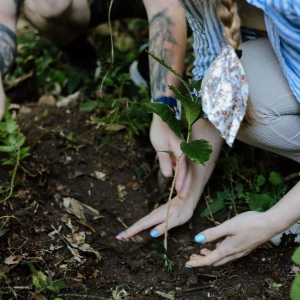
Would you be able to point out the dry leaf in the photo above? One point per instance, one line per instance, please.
(13, 259)
(38, 296)
(80, 276)
(122, 192)
(77, 241)
(47, 100)
(99, 175)
(71, 99)
(88, 248)
(75, 207)
(79, 209)
(114, 127)
(95, 274)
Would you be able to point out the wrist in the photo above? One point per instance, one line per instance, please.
(276, 221)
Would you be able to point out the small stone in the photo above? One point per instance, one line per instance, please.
(47, 100)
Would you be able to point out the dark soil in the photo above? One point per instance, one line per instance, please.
(59, 168)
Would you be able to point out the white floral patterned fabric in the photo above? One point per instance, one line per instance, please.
(225, 94)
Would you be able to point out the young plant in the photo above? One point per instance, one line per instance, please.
(11, 144)
(198, 151)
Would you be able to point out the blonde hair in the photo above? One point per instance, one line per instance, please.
(229, 16)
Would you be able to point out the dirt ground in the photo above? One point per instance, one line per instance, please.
(59, 168)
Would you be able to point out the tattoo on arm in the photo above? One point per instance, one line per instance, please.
(161, 43)
(8, 45)
(17, 2)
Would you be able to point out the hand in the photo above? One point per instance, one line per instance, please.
(244, 233)
(164, 139)
(181, 211)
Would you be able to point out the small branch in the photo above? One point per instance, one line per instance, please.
(199, 288)
(82, 296)
(164, 295)
(169, 204)
(292, 176)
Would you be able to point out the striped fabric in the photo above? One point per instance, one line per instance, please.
(282, 18)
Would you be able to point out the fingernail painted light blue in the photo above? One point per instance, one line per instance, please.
(199, 238)
(154, 233)
(187, 266)
(123, 234)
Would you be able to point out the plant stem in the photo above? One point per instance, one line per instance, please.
(169, 204)
(13, 176)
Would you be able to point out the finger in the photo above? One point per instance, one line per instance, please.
(218, 244)
(213, 233)
(160, 229)
(181, 175)
(204, 252)
(227, 259)
(208, 260)
(143, 224)
(165, 164)
(187, 185)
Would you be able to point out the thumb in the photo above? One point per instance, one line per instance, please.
(165, 164)
(212, 234)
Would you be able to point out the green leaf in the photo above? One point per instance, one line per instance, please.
(192, 110)
(296, 256)
(58, 286)
(7, 149)
(260, 180)
(2, 275)
(39, 280)
(88, 106)
(198, 151)
(169, 152)
(196, 84)
(166, 114)
(11, 126)
(2, 232)
(260, 203)
(214, 207)
(295, 289)
(275, 178)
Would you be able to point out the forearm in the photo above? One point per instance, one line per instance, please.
(286, 212)
(203, 129)
(8, 41)
(167, 41)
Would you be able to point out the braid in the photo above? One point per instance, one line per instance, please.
(228, 15)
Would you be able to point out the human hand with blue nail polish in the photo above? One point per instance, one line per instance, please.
(181, 211)
(164, 139)
(243, 233)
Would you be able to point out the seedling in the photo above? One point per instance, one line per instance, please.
(11, 143)
(198, 151)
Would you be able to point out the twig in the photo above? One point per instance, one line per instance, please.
(164, 295)
(169, 203)
(212, 219)
(198, 288)
(292, 176)
(82, 296)
(137, 239)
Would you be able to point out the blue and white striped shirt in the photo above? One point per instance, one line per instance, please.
(282, 18)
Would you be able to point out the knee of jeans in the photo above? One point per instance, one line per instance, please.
(46, 9)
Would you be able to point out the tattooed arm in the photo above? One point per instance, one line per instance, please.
(8, 41)
(168, 42)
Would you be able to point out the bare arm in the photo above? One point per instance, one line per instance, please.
(167, 41)
(8, 41)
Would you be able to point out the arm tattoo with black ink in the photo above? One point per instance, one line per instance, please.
(17, 2)
(161, 43)
(8, 45)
